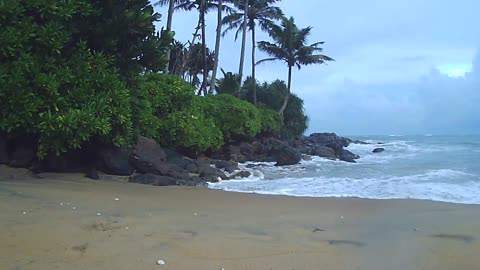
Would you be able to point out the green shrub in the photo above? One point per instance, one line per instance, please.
(237, 119)
(64, 103)
(167, 110)
(295, 119)
(271, 121)
(272, 95)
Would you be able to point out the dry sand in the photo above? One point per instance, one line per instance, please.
(69, 222)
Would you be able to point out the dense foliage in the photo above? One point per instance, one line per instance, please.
(236, 119)
(169, 112)
(59, 91)
(81, 71)
(295, 121)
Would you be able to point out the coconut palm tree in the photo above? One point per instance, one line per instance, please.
(261, 13)
(289, 46)
(171, 5)
(203, 6)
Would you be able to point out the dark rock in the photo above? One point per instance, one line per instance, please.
(3, 150)
(247, 150)
(348, 156)
(286, 155)
(192, 168)
(227, 165)
(323, 151)
(115, 161)
(149, 157)
(22, 156)
(359, 142)
(378, 150)
(92, 174)
(327, 139)
(211, 174)
(241, 174)
(152, 179)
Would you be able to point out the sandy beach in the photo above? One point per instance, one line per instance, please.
(64, 221)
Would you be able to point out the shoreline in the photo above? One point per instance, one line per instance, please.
(201, 228)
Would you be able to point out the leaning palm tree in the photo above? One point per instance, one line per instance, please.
(259, 12)
(289, 46)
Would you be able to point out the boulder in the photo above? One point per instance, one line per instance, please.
(378, 150)
(227, 165)
(348, 156)
(211, 174)
(149, 157)
(247, 150)
(152, 179)
(286, 155)
(115, 161)
(327, 139)
(323, 151)
(3, 150)
(241, 174)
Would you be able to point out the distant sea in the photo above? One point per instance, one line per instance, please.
(438, 168)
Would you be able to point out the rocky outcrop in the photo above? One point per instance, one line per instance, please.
(149, 157)
(153, 179)
(378, 150)
(326, 145)
(115, 161)
(286, 155)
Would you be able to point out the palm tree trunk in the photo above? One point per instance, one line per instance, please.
(171, 4)
(253, 67)
(244, 39)
(188, 55)
(204, 49)
(287, 96)
(217, 46)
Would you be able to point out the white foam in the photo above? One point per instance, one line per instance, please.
(417, 186)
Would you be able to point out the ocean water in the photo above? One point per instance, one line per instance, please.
(439, 168)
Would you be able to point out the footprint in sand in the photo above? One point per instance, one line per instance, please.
(76, 252)
(458, 237)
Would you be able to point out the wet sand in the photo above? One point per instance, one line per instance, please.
(64, 221)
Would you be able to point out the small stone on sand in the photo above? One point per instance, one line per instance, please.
(74, 208)
(24, 212)
(195, 214)
(61, 203)
(341, 217)
(98, 214)
(160, 262)
(126, 228)
(117, 199)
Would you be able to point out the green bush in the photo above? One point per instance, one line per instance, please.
(52, 88)
(295, 119)
(272, 95)
(271, 121)
(167, 110)
(237, 119)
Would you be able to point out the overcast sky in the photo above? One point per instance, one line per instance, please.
(402, 66)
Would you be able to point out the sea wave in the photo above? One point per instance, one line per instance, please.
(432, 185)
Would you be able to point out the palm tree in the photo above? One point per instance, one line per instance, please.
(217, 46)
(203, 6)
(171, 5)
(289, 46)
(259, 12)
(244, 39)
